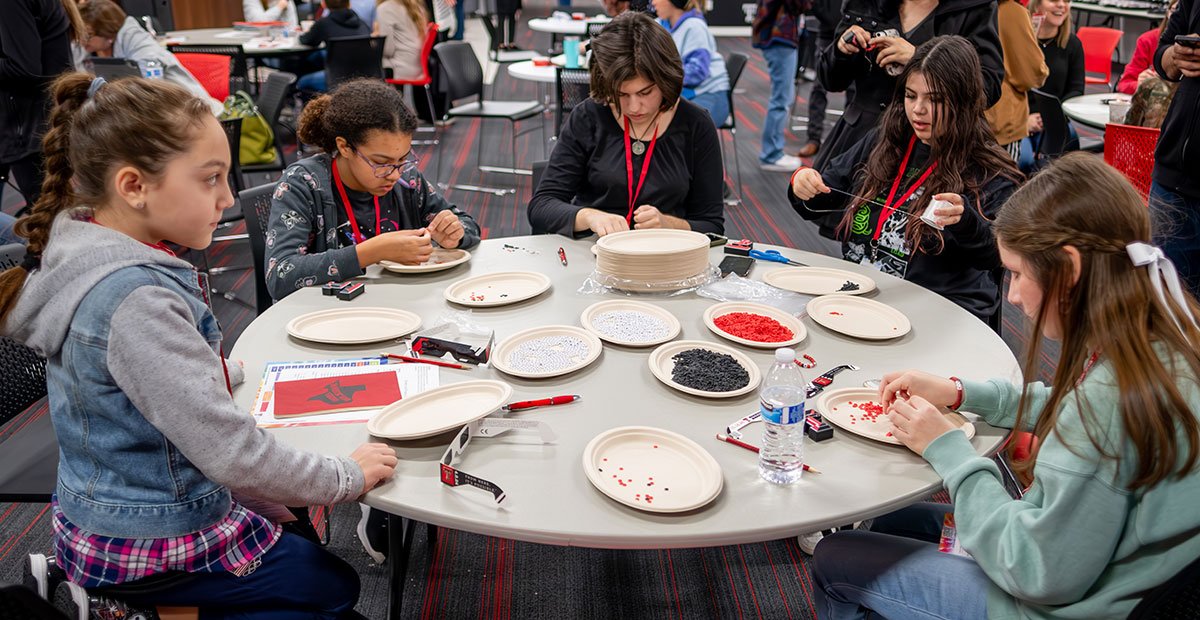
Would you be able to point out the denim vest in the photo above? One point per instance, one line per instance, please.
(117, 474)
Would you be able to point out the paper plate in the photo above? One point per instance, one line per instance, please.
(628, 305)
(441, 259)
(353, 325)
(652, 241)
(498, 289)
(787, 320)
(859, 317)
(835, 407)
(661, 365)
(652, 469)
(500, 354)
(817, 280)
(438, 410)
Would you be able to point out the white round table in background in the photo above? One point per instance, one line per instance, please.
(549, 497)
(565, 26)
(526, 70)
(1091, 110)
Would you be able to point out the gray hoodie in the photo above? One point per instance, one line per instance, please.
(166, 368)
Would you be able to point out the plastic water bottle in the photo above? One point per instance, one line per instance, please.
(151, 69)
(781, 400)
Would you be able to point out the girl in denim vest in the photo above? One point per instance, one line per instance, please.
(157, 464)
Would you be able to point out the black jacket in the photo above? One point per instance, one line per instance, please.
(1177, 158)
(973, 19)
(34, 48)
(340, 23)
(962, 270)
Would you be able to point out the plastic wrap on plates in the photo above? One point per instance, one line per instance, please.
(456, 334)
(598, 283)
(736, 288)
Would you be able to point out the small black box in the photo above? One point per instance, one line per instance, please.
(332, 288)
(740, 247)
(350, 291)
(816, 429)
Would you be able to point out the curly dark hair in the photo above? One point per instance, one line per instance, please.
(353, 110)
(633, 45)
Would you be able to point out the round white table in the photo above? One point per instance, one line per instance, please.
(526, 70)
(1092, 110)
(565, 26)
(253, 42)
(549, 498)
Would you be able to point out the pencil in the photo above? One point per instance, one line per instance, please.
(422, 361)
(754, 448)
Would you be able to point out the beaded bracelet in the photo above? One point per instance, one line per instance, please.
(959, 386)
(812, 363)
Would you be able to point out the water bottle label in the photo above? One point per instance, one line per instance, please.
(793, 414)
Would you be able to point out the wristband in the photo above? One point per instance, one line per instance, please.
(792, 181)
(959, 386)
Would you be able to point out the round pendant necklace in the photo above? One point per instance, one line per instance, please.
(639, 146)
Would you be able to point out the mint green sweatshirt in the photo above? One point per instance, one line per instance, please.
(1078, 544)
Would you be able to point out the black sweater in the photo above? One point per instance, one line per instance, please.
(1066, 68)
(587, 169)
(973, 19)
(960, 271)
(34, 48)
(339, 23)
(1177, 157)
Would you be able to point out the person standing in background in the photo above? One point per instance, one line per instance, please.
(776, 31)
(271, 11)
(507, 11)
(1141, 66)
(1175, 192)
(35, 46)
(403, 23)
(1024, 70)
(827, 14)
(1064, 56)
(705, 80)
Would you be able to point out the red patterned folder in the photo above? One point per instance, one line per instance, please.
(334, 394)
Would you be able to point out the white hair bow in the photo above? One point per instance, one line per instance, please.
(1152, 257)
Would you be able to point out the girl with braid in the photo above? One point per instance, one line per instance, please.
(1110, 511)
(156, 460)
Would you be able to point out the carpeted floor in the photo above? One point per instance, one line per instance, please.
(463, 575)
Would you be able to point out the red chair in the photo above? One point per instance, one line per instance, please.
(1130, 150)
(212, 71)
(431, 32)
(1098, 46)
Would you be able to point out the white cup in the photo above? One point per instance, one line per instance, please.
(928, 216)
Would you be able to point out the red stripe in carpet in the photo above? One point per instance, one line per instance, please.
(746, 569)
(432, 582)
(487, 560)
(662, 571)
(4, 516)
(13, 541)
(732, 587)
(745, 123)
(448, 540)
(782, 237)
(782, 596)
(708, 582)
(798, 564)
(674, 587)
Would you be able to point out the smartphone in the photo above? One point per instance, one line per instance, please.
(736, 264)
(1187, 40)
(715, 240)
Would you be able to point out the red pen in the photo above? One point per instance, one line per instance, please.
(562, 256)
(545, 402)
(420, 360)
(754, 448)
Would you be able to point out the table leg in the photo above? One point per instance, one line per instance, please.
(399, 545)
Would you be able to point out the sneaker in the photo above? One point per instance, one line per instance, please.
(785, 163)
(37, 575)
(373, 534)
(808, 542)
(79, 604)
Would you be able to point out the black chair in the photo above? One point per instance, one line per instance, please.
(21, 603)
(1053, 141)
(353, 57)
(495, 54)
(276, 92)
(233, 133)
(239, 73)
(113, 68)
(734, 64)
(1177, 599)
(28, 447)
(256, 208)
(462, 77)
(573, 86)
(538, 168)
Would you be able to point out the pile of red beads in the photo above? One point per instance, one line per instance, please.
(870, 410)
(756, 327)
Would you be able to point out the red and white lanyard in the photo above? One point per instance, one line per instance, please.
(633, 194)
(337, 181)
(889, 207)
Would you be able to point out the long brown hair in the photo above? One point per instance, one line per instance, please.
(1082, 202)
(963, 144)
(76, 29)
(415, 10)
(89, 139)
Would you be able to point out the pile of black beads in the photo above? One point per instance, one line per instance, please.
(850, 285)
(701, 369)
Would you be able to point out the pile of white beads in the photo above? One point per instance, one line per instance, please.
(548, 354)
(631, 326)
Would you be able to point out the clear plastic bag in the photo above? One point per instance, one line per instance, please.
(736, 288)
(598, 283)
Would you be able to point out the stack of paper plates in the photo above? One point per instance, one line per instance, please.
(652, 259)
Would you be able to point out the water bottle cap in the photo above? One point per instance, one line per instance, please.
(785, 355)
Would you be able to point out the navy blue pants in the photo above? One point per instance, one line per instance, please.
(1177, 231)
(296, 580)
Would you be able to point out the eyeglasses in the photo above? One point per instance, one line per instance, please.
(407, 164)
(486, 427)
